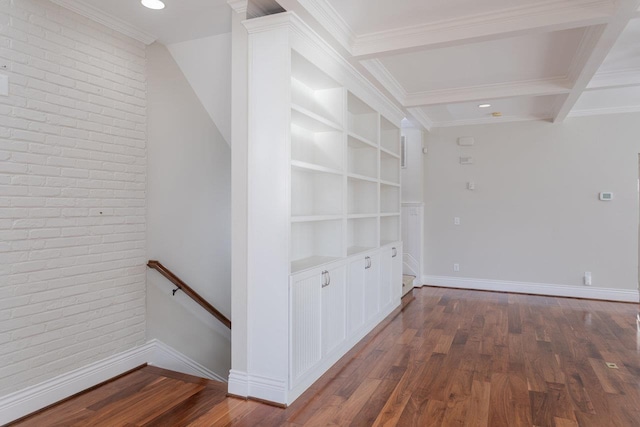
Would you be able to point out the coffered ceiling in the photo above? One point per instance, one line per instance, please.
(440, 59)
(529, 59)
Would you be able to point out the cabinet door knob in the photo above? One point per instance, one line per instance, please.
(368, 262)
(395, 252)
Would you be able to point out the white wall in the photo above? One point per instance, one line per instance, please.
(412, 203)
(413, 175)
(72, 187)
(535, 214)
(189, 216)
(206, 63)
(239, 197)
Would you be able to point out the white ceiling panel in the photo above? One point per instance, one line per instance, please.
(625, 54)
(368, 16)
(608, 100)
(539, 107)
(522, 58)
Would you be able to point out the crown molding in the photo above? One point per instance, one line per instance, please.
(107, 20)
(548, 15)
(386, 79)
(238, 6)
(607, 110)
(331, 20)
(421, 117)
(554, 86)
(615, 79)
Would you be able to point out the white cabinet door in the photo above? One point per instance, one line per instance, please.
(355, 295)
(371, 286)
(385, 277)
(396, 272)
(306, 322)
(333, 308)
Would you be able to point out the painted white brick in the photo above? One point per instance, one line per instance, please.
(73, 181)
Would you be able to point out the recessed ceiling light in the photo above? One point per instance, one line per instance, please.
(484, 105)
(153, 4)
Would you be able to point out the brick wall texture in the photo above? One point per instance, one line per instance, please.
(72, 192)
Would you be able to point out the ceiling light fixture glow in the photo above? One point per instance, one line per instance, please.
(153, 4)
(484, 105)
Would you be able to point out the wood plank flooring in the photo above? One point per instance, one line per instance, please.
(450, 358)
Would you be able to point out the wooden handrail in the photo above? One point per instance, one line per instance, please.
(187, 290)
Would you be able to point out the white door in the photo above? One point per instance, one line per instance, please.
(306, 324)
(396, 272)
(371, 286)
(355, 295)
(385, 278)
(333, 308)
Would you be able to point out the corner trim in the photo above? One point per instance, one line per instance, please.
(257, 387)
(547, 289)
(107, 20)
(238, 6)
(28, 400)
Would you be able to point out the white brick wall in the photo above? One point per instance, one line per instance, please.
(72, 192)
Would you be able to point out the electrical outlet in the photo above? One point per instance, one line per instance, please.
(456, 220)
(587, 278)
(456, 267)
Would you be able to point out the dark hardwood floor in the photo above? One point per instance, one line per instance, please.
(449, 358)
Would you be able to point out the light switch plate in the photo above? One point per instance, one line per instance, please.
(4, 85)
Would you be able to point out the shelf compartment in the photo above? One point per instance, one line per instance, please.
(310, 218)
(362, 119)
(362, 235)
(362, 196)
(315, 193)
(389, 168)
(362, 158)
(319, 148)
(389, 229)
(314, 243)
(389, 136)
(315, 91)
(389, 199)
(311, 121)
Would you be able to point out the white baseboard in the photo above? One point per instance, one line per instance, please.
(257, 386)
(238, 383)
(168, 358)
(156, 353)
(275, 390)
(532, 288)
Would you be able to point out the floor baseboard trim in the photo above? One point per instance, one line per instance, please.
(31, 399)
(606, 294)
(167, 357)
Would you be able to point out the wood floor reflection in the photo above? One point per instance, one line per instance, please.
(449, 358)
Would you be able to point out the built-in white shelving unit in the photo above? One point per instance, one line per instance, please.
(324, 208)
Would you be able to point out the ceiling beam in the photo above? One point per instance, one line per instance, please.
(614, 79)
(596, 44)
(545, 16)
(488, 92)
